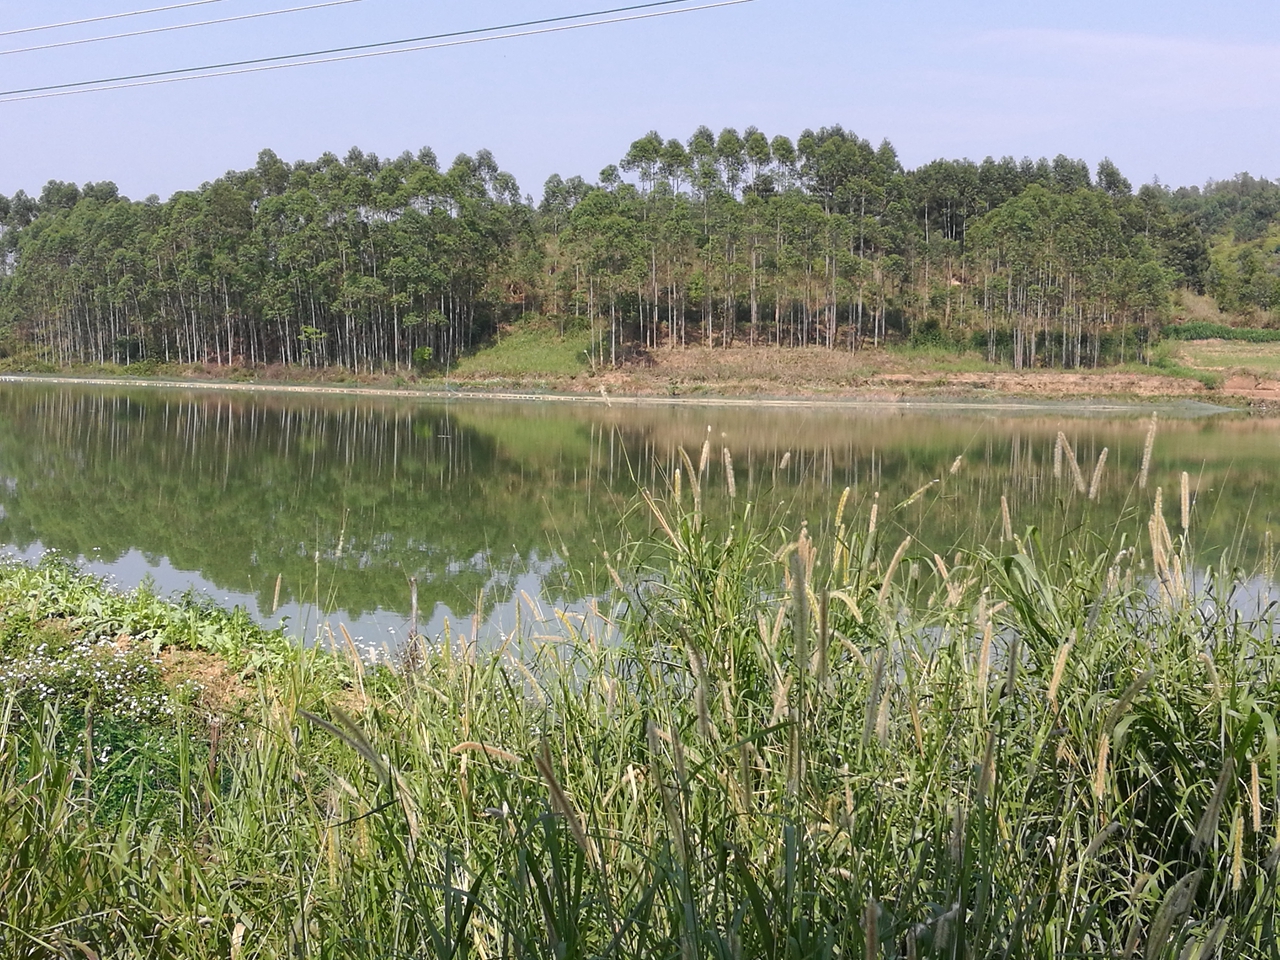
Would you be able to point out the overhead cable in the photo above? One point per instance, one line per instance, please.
(109, 16)
(362, 51)
(177, 26)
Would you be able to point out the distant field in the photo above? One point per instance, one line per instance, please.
(1261, 359)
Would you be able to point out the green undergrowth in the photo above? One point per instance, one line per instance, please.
(1203, 330)
(55, 598)
(797, 745)
(83, 664)
(1165, 361)
(1169, 367)
(531, 348)
(948, 358)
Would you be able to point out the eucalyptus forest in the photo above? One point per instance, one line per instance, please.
(376, 265)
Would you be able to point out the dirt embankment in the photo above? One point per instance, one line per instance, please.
(1252, 388)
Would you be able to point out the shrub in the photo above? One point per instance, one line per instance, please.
(1203, 330)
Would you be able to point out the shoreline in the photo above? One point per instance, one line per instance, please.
(874, 399)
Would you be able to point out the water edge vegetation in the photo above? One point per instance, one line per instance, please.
(825, 743)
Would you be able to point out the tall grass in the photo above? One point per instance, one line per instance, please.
(798, 749)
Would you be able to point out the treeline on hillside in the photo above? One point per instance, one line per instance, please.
(826, 240)
(1243, 217)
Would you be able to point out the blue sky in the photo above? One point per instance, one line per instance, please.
(1183, 91)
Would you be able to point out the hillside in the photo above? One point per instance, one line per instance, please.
(827, 241)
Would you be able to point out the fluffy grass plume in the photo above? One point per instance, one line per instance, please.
(1095, 484)
(1147, 447)
(1070, 455)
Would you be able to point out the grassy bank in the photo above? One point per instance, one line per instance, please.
(827, 743)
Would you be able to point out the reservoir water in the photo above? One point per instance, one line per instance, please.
(320, 509)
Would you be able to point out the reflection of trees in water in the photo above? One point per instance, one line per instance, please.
(242, 488)
(1232, 462)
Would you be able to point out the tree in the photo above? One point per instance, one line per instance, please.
(1112, 181)
(758, 154)
(645, 158)
(732, 158)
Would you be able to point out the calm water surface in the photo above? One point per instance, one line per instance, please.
(494, 505)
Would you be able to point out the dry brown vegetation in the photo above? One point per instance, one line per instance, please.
(870, 375)
(1191, 307)
(216, 688)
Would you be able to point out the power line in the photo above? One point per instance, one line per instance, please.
(176, 26)
(110, 16)
(357, 52)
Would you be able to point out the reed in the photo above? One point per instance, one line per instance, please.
(893, 568)
(768, 759)
(1207, 829)
(1255, 796)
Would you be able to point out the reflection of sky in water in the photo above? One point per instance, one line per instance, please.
(527, 609)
